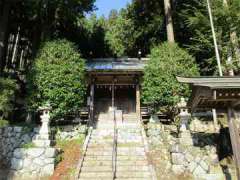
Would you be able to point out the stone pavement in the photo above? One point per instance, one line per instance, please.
(131, 160)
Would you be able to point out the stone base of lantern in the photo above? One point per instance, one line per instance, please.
(186, 138)
(42, 143)
(42, 140)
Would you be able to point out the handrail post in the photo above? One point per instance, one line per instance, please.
(114, 146)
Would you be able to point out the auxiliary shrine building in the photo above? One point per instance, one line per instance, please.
(115, 83)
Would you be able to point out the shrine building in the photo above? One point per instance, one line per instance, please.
(115, 83)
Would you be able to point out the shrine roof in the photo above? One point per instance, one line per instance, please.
(213, 92)
(119, 64)
(212, 82)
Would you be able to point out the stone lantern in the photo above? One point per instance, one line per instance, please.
(183, 115)
(185, 137)
(42, 138)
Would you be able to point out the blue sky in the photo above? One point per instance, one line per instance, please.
(105, 6)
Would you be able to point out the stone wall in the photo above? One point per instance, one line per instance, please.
(201, 162)
(183, 155)
(32, 162)
(12, 138)
(21, 156)
(204, 126)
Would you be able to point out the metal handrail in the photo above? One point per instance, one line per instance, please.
(114, 152)
(85, 147)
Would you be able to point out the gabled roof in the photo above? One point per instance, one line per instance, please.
(212, 82)
(120, 64)
(213, 92)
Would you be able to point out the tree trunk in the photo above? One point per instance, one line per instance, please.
(169, 21)
(4, 34)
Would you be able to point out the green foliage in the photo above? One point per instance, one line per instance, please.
(91, 37)
(57, 17)
(160, 86)
(7, 96)
(58, 78)
(3, 123)
(120, 33)
(193, 31)
(28, 145)
(138, 27)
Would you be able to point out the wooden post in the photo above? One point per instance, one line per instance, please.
(113, 94)
(92, 103)
(215, 121)
(235, 139)
(138, 103)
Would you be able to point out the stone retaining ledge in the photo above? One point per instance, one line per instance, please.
(33, 162)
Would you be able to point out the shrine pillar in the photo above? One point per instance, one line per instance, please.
(138, 102)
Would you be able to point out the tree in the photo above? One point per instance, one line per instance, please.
(120, 34)
(194, 32)
(160, 88)
(169, 20)
(90, 37)
(37, 20)
(8, 88)
(58, 78)
(137, 27)
(3, 31)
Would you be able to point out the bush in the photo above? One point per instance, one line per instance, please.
(160, 87)
(58, 78)
(3, 123)
(28, 145)
(7, 96)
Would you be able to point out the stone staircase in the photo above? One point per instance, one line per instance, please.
(131, 160)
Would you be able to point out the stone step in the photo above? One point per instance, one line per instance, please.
(145, 178)
(119, 158)
(97, 163)
(125, 140)
(110, 126)
(115, 178)
(96, 168)
(99, 153)
(130, 158)
(106, 175)
(101, 141)
(133, 169)
(119, 153)
(140, 168)
(119, 163)
(98, 158)
(94, 178)
(97, 175)
(130, 174)
(119, 149)
(100, 145)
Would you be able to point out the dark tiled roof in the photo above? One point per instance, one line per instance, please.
(126, 64)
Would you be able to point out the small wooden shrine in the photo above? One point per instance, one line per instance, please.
(218, 93)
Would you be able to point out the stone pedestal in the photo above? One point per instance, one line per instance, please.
(186, 138)
(42, 139)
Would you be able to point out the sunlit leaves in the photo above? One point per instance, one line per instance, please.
(160, 86)
(58, 77)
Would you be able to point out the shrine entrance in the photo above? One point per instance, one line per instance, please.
(114, 84)
(123, 98)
